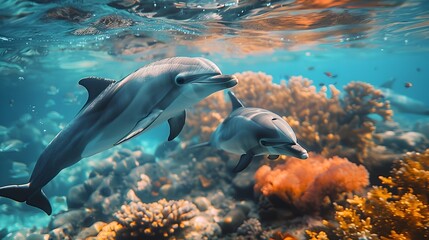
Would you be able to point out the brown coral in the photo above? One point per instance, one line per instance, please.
(305, 184)
(322, 121)
(158, 220)
(386, 215)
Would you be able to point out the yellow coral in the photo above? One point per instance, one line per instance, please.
(317, 236)
(110, 231)
(411, 173)
(386, 215)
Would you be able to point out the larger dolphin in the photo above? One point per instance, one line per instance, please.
(252, 132)
(118, 111)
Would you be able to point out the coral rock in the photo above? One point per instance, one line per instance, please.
(158, 220)
(251, 228)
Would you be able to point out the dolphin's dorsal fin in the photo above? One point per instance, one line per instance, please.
(234, 101)
(94, 86)
(388, 84)
(176, 125)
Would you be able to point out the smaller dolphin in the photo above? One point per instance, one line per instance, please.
(252, 132)
(401, 102)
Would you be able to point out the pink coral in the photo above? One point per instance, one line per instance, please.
(305, 184)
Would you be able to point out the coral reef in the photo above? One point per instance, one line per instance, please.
(305, 185)
(191, 194)
(399, 213)
(159, 220)
(323, 122)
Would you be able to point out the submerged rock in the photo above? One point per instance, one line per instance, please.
(202, 203)
(112, 21)
(243, 184)
(67, 13)
(232, 220)
(250, 228)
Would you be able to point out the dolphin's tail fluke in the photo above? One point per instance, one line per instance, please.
(22, 193)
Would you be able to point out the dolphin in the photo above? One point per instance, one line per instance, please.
(401, 102)
(117, 111)
(252, 132)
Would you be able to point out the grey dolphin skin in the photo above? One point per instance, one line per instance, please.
(251, 132)
(117, 111)
(403, 103)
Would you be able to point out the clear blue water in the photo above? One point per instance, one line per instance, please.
(43, 54)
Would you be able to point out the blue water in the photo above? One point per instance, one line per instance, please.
(42, 58)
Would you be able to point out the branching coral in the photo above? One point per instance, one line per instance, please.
(411, 173)
(158, 220)
(324, 123)
(305, 184)
(386, 215)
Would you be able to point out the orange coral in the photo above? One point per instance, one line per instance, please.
(305, 184)
(110, 231)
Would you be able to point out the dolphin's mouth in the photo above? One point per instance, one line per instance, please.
(229, 80)
(294, 149)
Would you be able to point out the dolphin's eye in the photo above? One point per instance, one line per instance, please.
(275, 119)
(180, 80)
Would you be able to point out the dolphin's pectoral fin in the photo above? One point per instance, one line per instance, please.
(273, 157)
(234, 101)
(94, 86)
(142, 125)
(40, 200)
(176, 125)
(245, 160)
(198, 145)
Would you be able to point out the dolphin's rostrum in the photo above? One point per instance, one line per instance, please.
(117, 111)
(251, 132)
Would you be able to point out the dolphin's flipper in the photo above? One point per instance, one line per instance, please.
(176, 125)
(203, 144)
(245, 160)
(234, 101)
(40, 200)
(273, 157)
(94, 86)
(141, 125)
